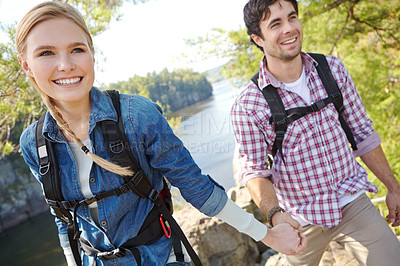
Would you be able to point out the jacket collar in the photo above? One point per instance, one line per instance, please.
(101, 109)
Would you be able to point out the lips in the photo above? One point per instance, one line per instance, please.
(68, 81)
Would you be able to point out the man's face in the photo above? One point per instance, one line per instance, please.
(282, 33)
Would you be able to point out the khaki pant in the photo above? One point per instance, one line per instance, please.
(363, 232)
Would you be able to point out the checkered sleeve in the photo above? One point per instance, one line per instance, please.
(249, 136)
(354, 110)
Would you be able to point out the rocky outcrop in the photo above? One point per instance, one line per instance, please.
(20, 194)
(219, 244)
(216, 242)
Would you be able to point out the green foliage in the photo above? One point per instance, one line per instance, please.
(98, 13)
(364, 34)
(235, 45)
(19, 104)
(173, 90)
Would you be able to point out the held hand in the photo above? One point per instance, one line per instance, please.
(285, 217)
(285, 239)
(393, 204)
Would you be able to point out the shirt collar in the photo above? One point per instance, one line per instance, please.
(101, 109)
(266, 78)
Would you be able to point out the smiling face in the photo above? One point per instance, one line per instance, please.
(282, 33)
(60, 60)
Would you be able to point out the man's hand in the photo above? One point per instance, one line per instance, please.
(393, 204)
(377, 163)
(279, 218)
(285, 239)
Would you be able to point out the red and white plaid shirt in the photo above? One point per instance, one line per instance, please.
(320, 164)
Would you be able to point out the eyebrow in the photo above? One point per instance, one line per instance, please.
(278, 19)
(49, 47)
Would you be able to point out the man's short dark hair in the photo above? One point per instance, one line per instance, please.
(256, 11)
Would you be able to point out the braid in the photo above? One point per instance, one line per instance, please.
(110, 166)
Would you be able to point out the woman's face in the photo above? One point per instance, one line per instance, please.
(60, 60)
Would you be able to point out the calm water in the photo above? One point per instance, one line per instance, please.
(206, 132)
(34, 242)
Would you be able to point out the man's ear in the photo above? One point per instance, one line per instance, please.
(257, 39)
(24, 65)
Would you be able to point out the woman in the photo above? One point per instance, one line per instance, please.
(56, 52)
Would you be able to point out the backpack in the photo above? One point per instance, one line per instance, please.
(281, 118)
(159, 222)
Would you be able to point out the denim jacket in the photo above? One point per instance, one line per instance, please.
(158, 151)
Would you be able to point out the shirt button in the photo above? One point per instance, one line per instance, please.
(103, 223)
(92, 179)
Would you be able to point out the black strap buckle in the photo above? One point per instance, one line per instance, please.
(317, 106)
(137, 177)
(52, 203)
(280, 135)
(153, 195)
(107, 255)
(65, 220)
(336, 95)
(68, 204)
(87, 202)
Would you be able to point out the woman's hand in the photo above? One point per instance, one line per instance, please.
(285, 239)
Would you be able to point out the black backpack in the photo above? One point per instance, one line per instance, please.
(159, 222)
(281, 118)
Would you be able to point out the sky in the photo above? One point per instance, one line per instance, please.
(150, 36)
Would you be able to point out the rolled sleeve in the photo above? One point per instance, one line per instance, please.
(367, 145)
(209, 207)
(247, 175)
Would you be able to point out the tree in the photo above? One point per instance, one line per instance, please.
(20, 105)
(175, 90)
(364, 34)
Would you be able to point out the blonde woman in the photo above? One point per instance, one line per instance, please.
(56, 52)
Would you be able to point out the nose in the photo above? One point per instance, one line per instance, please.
(65, 63)
(288, 27)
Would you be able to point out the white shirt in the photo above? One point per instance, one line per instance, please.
(84, 164)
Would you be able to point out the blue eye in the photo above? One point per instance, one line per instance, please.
(78, 50)
(46, 53)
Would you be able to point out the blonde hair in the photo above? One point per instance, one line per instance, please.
(40, 13)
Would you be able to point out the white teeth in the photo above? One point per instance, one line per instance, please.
(290, 41)
(68, 81)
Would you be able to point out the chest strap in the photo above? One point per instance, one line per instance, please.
(281, 118)
(120, 153)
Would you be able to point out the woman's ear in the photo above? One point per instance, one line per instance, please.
(24, 65)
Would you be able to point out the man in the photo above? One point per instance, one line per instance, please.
(315, 183)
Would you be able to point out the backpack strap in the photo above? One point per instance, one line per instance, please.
(281, 118)
(333, 91)
(118, 147)
(48, 169)
(120, 153)
(278, 116)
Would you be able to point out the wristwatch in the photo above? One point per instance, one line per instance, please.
(271, 213)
